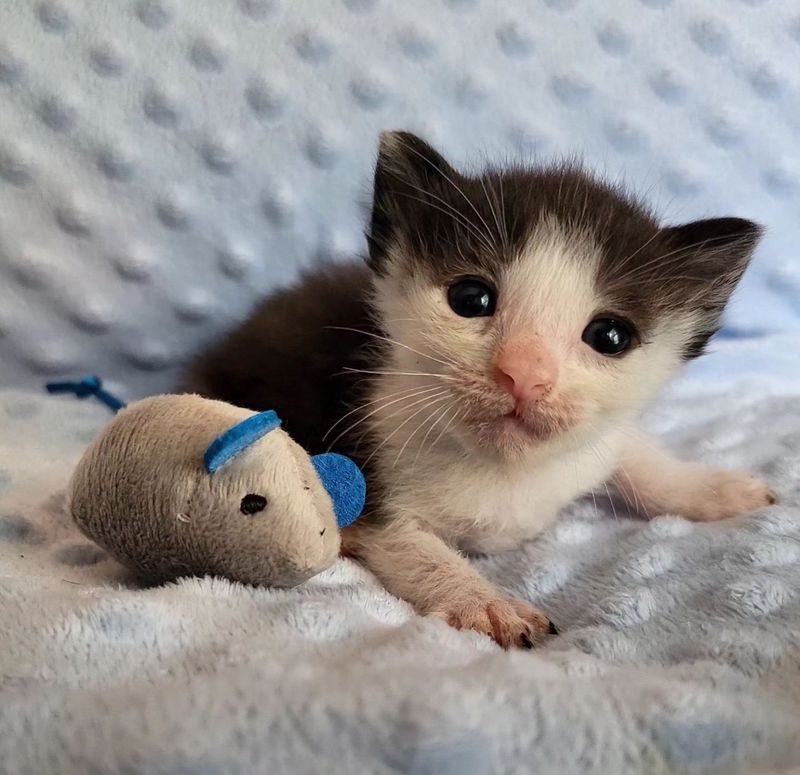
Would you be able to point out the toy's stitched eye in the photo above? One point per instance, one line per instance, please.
(252, 503)
(609, 336)
(471, 297)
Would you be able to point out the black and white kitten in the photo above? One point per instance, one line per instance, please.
(520, 320)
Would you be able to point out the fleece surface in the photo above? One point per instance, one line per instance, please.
(679, 652)
(164, 162)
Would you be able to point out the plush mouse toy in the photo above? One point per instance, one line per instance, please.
(181, 485)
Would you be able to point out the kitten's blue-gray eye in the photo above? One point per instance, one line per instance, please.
(608, 336)
(472, 298)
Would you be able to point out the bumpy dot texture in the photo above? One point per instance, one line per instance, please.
(677, 653)
(163, 163)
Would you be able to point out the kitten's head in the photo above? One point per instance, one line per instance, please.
(543, 304)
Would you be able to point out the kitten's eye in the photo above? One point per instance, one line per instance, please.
(252, 504)
(608, 336)
(472, 298)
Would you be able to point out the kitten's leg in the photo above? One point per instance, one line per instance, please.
(654, 482)
(419, 567)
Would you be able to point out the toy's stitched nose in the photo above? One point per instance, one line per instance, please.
(526, 370)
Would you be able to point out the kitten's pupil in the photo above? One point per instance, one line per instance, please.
(608, 336)
(252, 503)
(471, 298)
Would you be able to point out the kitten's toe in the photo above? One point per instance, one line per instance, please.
(539, 626)
(724, 494)
(510, 623)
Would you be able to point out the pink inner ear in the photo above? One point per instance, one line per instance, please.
(526, 369)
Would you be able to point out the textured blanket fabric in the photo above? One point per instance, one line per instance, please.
(679, 652)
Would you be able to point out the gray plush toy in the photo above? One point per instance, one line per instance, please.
(181, 485)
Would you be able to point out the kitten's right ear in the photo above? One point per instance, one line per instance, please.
(408, 174)
(404, 157)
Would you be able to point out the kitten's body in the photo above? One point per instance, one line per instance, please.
(481, 509)
(475, 430)
(497, 506)
(292, 352)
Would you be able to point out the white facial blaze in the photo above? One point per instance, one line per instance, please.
(548, 290)
(547, 294)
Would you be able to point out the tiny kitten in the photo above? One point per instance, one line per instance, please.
(488, 364)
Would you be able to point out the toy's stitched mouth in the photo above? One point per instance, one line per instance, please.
(322, 532)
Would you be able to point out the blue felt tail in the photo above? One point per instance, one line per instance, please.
(88, 386)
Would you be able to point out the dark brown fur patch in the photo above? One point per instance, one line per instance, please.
(290, 354)
(449, 224)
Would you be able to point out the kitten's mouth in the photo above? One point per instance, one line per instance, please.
(539, 424)
(495, 422)
(515, 422)
(512, 432)
(529, 427)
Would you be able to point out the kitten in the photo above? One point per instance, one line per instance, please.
(520, 320)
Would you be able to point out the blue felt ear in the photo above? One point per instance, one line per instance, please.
(343, 480)
(239, 438)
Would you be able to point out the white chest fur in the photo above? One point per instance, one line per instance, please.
(484, 506)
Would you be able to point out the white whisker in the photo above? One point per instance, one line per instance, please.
(404, 423)
(492, 209)
(380, 408)
(611, 501)
(445, 429)
(348, 369)
(676, 256)
(390, 341)
(411, 436)
(455, 186)
(444, 410)
(413, 390)
(457, 215)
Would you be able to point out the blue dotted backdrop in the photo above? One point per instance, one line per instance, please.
(164, 162)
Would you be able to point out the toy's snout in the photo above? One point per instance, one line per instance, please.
(279, 510)
(296, 562)
(264, 523)
(302, 560)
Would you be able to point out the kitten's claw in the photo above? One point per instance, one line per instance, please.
(526, 642)
(508, 622)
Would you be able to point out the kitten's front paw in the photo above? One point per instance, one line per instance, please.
(721, 494)
(508, 622)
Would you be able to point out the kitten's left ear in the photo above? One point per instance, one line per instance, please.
(714, 254)
(735, 238)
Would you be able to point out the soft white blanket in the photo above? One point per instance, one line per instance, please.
(678, 653)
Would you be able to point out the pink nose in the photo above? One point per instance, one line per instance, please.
(526, 370)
